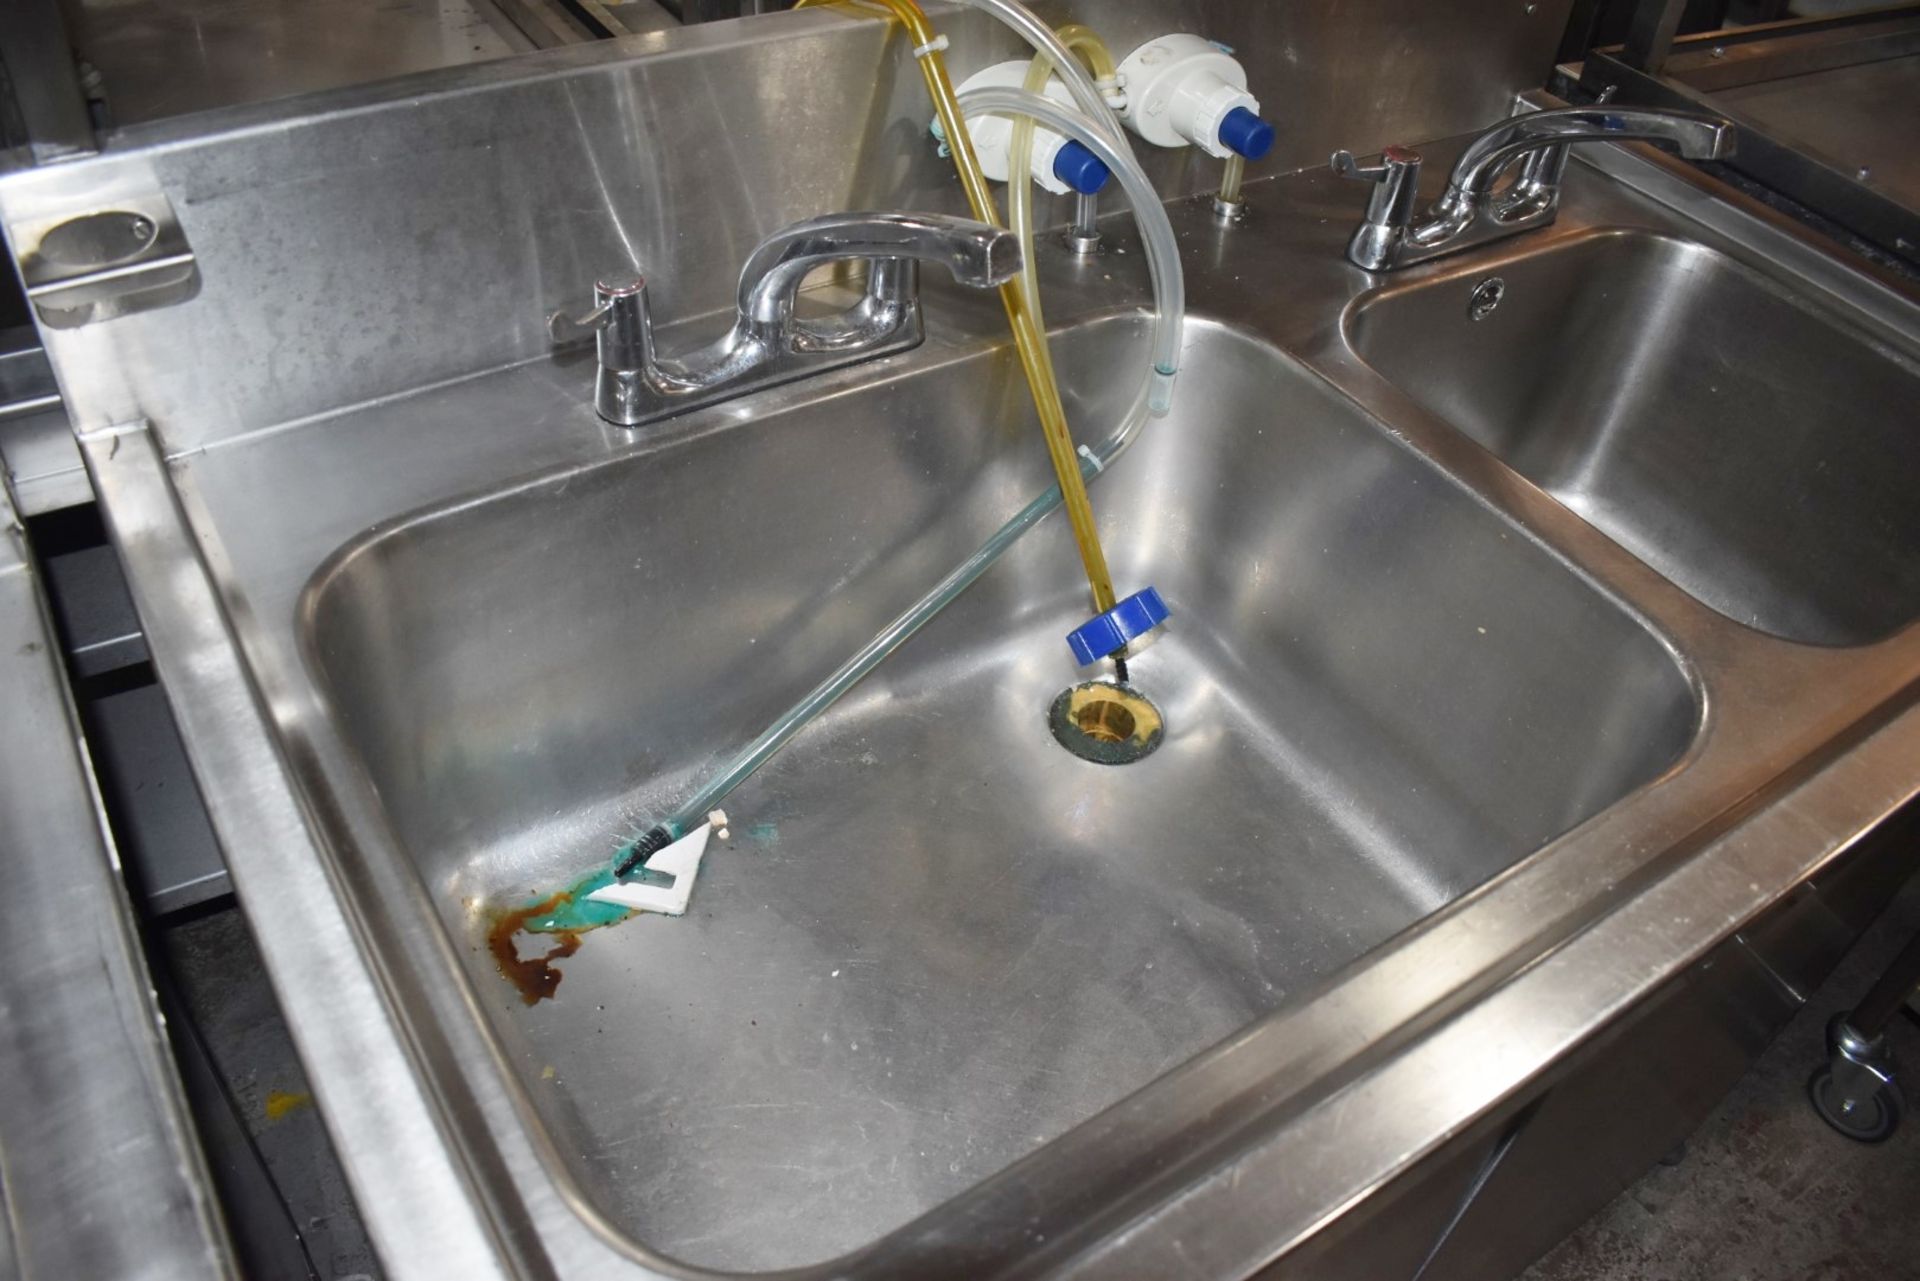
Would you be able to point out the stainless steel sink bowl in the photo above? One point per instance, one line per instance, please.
(1752, 446)
(937, 940)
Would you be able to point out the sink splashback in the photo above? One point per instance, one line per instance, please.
(328, 229)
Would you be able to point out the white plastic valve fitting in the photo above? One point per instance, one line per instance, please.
(993, 135)
(1181, 89)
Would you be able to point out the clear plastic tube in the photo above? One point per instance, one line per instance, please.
(1029, 27)
(691, 812)
(1152, 399)
(1170, 312)
(1230, 175)
(1093, 51)
(1085, 42)
(1028, 338)
(1163, 253)
(1020, 189)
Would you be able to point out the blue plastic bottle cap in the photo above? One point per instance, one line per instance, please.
(1246, 133)
(1081, 170)
(1104, 633)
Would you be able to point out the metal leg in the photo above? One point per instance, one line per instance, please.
(1855, 1092)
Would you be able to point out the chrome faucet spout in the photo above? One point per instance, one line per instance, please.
(973, 252)
(1694, 135)
(768, 343)
(1474, 209)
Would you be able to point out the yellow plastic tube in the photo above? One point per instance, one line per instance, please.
(1029, 338)
(1092, 51)
(1230, 175)
(1020, 188)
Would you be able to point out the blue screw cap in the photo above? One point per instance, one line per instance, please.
(1246, 133)
(1104, 633)
(1079, 168)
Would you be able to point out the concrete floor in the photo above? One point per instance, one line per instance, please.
(1764, 1191)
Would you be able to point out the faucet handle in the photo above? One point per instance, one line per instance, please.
(606, 300)
(1394, 163)
(1397, 181)
(564, 328)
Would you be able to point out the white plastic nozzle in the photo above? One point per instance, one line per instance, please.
(1180, 88)
(993, 135)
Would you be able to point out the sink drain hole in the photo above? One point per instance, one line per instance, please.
(1105, 719)
(1105, 723)
(1485, 297)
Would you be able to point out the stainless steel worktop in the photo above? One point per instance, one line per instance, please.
(100, 1171)
(1483, 742)
(1784, 753)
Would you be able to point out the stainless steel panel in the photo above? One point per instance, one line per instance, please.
(1620, 1103)
(42, 462)
(99, 1167)
(98, 628)
(416, 1201)
(488, 196)
(26, 379)
(1860, 116)
(1835, 97)
(171, 852)
(157, 58)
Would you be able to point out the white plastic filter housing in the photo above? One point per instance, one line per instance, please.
(1179, 88)
(993, 135)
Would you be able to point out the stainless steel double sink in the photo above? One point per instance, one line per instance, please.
(1512, 648)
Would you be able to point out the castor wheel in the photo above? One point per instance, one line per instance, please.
(1856, 1092)
(1868, 1118)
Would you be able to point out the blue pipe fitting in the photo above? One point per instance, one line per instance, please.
(1079, 168)
(1246, 133)
(1103, 634)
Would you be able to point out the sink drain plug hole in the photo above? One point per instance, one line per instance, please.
(1106, 723)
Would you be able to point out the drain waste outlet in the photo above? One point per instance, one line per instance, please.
(1106, 723)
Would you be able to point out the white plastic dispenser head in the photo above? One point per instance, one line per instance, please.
(1182, 89)
(1059, 164)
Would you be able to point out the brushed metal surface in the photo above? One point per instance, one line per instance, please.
(100, 1172)
(937, 939)
(346, 1044)
(167, 59)
(1851, 114)
(1757, 450)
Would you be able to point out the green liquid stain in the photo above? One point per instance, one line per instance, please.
(571, 911)
(565, 915)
